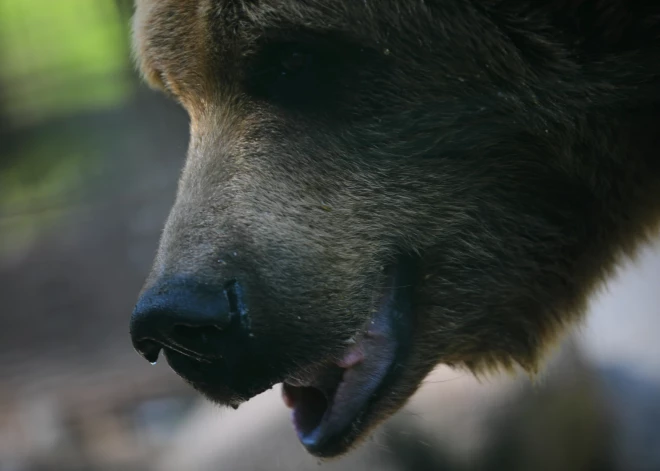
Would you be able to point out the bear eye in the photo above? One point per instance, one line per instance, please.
(293, 62)
(294, 75)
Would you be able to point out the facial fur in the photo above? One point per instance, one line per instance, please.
(506, 149)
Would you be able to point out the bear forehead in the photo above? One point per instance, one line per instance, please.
(183, 45)
(168, 29)
(193, 48)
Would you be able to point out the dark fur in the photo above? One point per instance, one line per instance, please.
(511, 145)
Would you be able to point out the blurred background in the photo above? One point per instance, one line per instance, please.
(89, 160)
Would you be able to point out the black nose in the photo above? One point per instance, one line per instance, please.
(189, 317)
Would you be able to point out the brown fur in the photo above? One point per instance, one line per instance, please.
(510, 145)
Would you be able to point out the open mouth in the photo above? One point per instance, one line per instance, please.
(331, 405)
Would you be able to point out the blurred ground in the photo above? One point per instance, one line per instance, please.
(88, 165)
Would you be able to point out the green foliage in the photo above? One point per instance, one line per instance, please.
(61, 56)
(58, 59)
(37, 190)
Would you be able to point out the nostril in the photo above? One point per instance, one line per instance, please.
(194, 334)
(185, 332)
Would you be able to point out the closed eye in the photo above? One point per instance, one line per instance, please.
(305, 75)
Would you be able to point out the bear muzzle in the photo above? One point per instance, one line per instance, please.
(205, 332)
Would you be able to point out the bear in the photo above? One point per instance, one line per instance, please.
(374, 188)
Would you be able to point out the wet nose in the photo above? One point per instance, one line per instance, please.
(189, 317)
